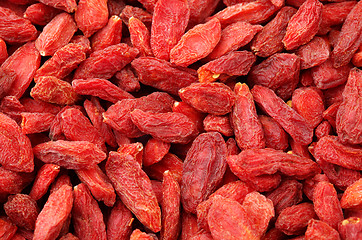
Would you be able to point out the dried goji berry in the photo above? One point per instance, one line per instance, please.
(137, 193)
(170, 162)
(98, 183)
(22, 210)
(69, 154)
(86, 215)
(274, 135)
(57, 208)
(15, 154)
(66, 5)
(119, 223)
(140, 36)
(203, 169)
(304, 24)
(217, 123)
(313, 53)
(7, 228)
(15, 29)
(154, 151)
(280, 72)
(289, 119)
(186, 51)
(133, 149)
(169, 21)
(351, 198)
(91, 15)
(40, 14)
(109, 35)
(36, 122)
(320, 230)
(200, 10)
(45, 176)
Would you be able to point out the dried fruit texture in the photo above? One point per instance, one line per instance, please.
(136, 12)
(83, 41)
(236, 63)
(106, 62)
(259, 210)
(109, 35)
(15, 29)
(195, 116)
(320, 230)
(98, 183)
(45, 176)
(289, 119)
(15, 151)
(348, 120)
(140, 36)
(126, 80)
(252, 217)
(101, 88)
(7, 77)
(86, 215)
(157, 188)
(294, 220)
(189, 225)
(135, 189)
(280, 73)
(91, 16)
(53, 90)
(66, 5)
(352, 197)
(69, 236)
(326, 204)
(119, 223)
(37, 106)
(350, 37)
(356, 59)
(274, 135)
(224, 215)
(256, 162)
(233, 37)
(326, 76)
(154, 151)
(330, 114)
(299, 149)
(334, 14)
(247, 127)
(169, 162)
(77, 127)
(118, 116)
(304, 24)
(333, 95)
(287, 194)
(350, 228)
(61, 180)
(216, 123)
(40, 14)
(94, 111)
(214, 98)
(196, 43)
(200, 10)
(63, 62)
(202, 235)
(313, 53)
(168, 127)
(254, 12)
(57, 208)
(69, 154)
(56, 131)
(309, 184)
(3, 51)
(13, 182)
(323, 129)
(169, 22)
(7, 229)
(234, 190)
(56, 34)
(17, 236)
(36, 122)
(139, 235)
(21, 66)
(331, 150)
(203, 169)
(133, 149)
(22, 210)
(162, 75)
(171, 221)
(269, 40)
(308, 102)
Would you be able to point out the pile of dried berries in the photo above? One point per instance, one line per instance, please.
(180, 119)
